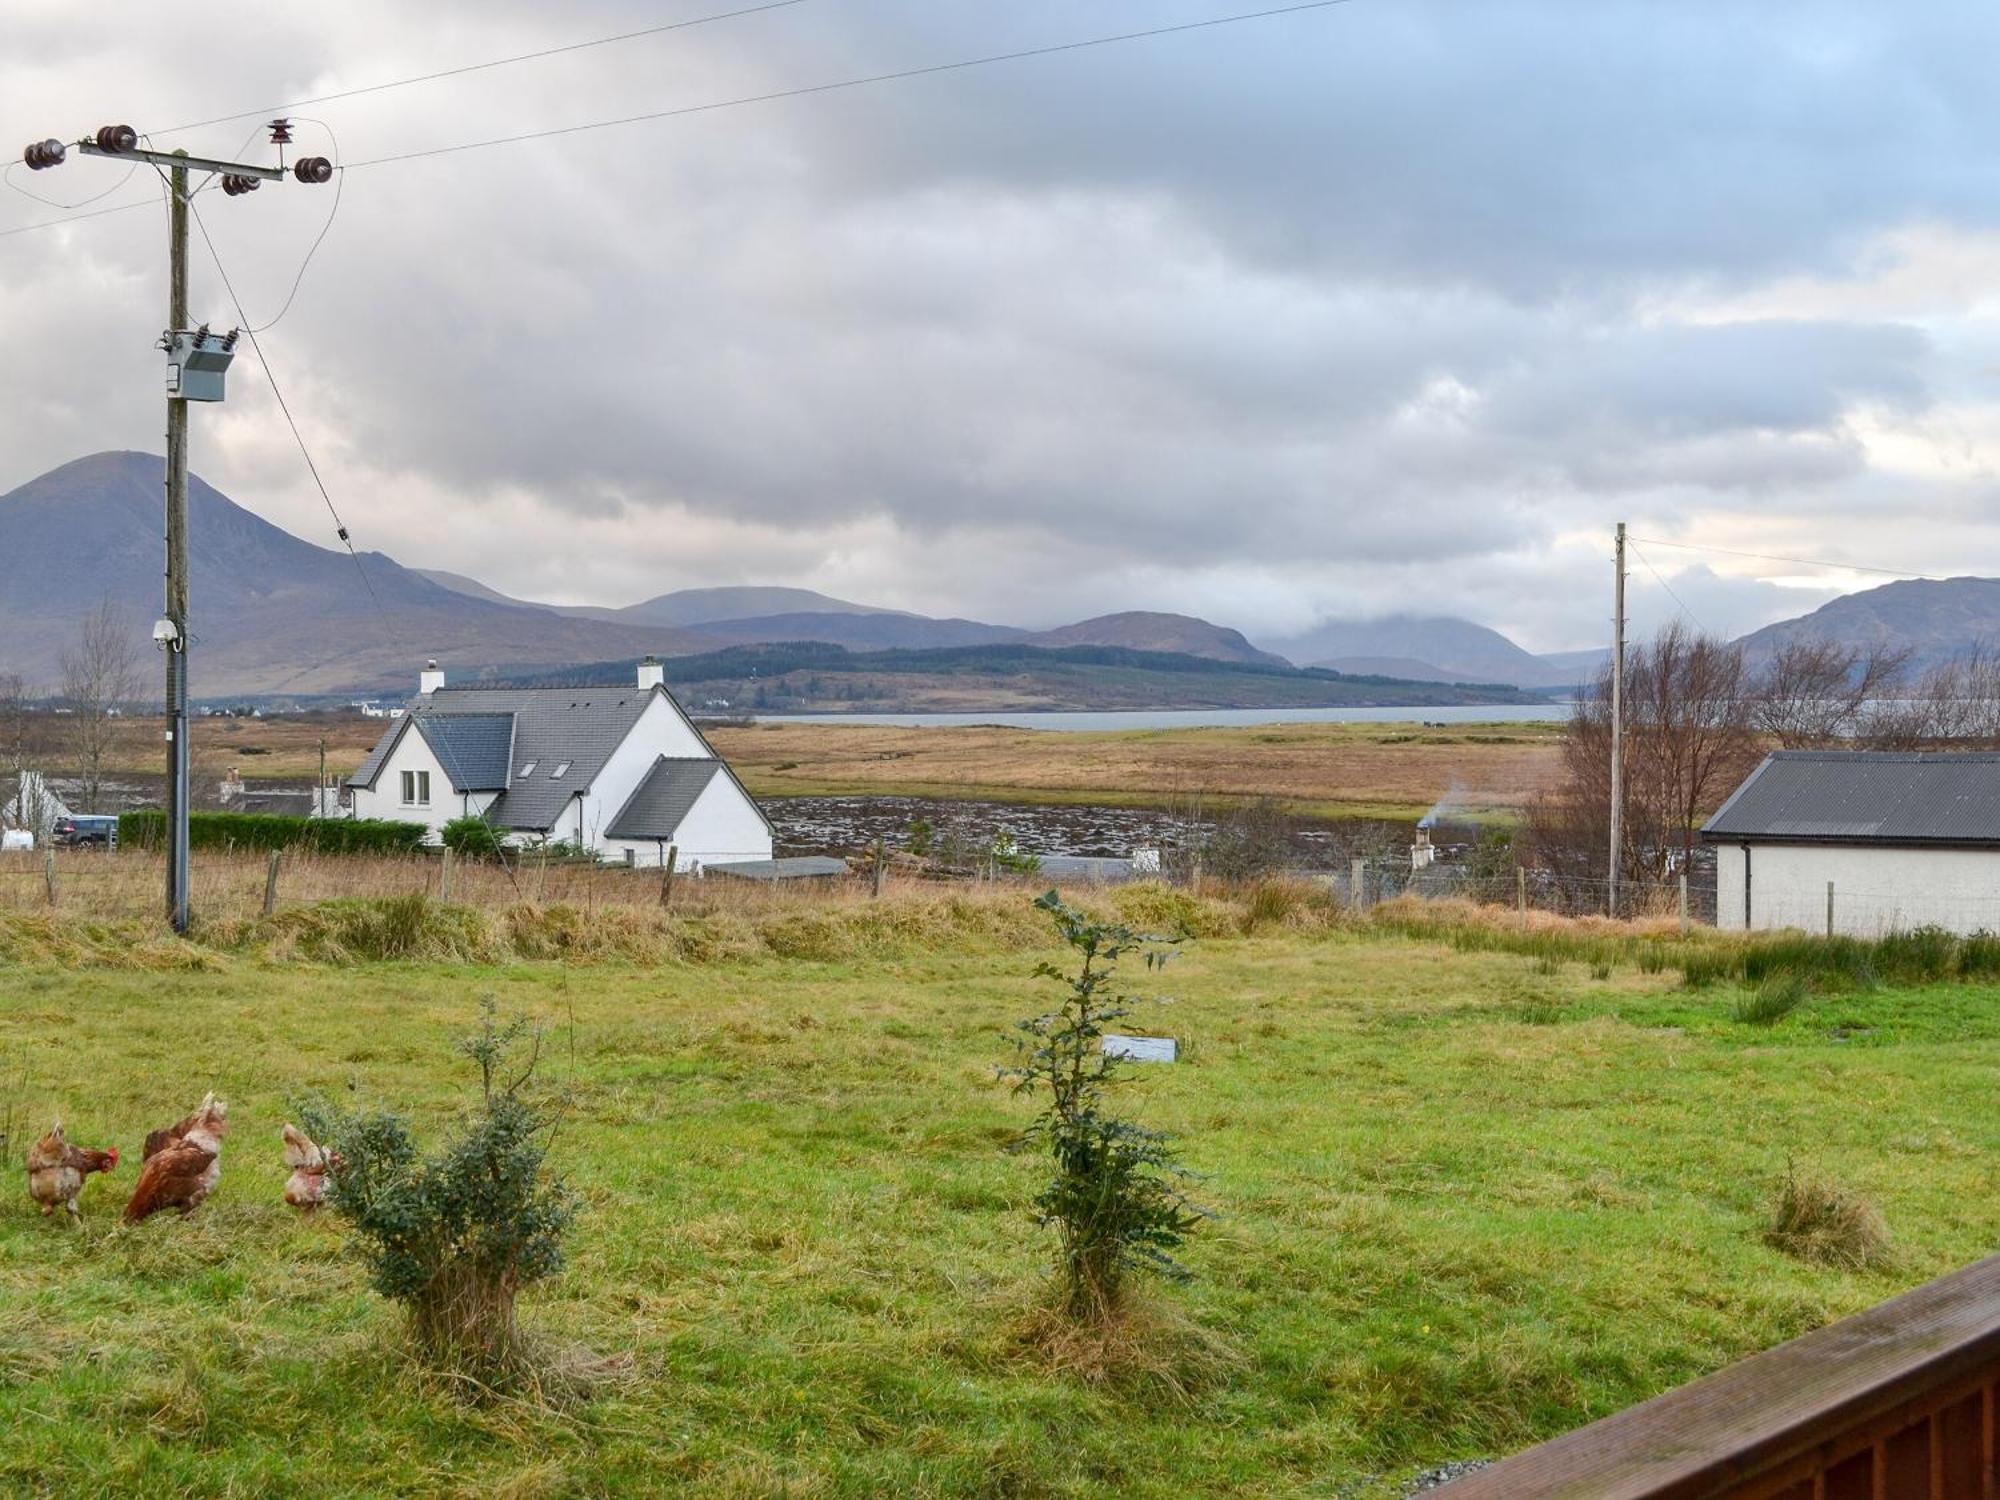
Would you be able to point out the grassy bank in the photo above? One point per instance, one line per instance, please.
(1467, 1198)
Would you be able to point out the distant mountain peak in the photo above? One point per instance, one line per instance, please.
(1155, 630)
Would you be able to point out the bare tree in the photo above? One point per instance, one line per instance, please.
(1688, 742)
(19, 737)
(1955, 703)
(1814, 693)
(99, 675)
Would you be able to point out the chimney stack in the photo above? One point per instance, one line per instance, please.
(651, 674)
(430, 679)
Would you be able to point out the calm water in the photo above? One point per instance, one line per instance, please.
(1199, 718)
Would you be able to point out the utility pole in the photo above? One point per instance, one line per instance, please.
(1617, 726)
(196, 363)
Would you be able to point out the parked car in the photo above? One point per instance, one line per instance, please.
(88, 831)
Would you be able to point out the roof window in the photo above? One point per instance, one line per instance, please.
(528, 770)
(557, 773)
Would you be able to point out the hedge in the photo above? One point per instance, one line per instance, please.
(147, 828)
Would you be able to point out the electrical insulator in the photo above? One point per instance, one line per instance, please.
(229, 339)
(281, 132)
(42, 154)
(235, 185)
(313, 169)
(116, 138)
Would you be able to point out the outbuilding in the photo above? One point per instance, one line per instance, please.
(1860, 843)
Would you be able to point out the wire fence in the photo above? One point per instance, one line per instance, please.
(1690, 897)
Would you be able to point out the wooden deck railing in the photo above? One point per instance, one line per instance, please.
(1896, 1403)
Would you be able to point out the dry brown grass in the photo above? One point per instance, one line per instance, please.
(1329, 769)
(1817, 1220)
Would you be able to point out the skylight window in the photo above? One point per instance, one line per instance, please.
(557, 773)
(528, 770)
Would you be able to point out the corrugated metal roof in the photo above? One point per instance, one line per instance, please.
(1861, 796)
(472, 748)
(663, 798)
(799, 867)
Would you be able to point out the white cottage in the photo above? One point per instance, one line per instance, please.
(1860, 842)
(620, 771)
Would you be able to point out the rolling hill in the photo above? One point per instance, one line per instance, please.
(1458, 650)
(1148, 630)
(1934, 620)
(271, 614)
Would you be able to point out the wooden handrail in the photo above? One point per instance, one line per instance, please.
(1895, 1401)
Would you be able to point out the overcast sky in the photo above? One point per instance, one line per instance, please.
(1393, 305)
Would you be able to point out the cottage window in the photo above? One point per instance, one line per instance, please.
(557, 773)
(416, 789)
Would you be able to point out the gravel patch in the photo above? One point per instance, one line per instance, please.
(1444, 1474)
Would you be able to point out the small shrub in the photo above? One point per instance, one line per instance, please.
(1819, 1221)
(455, 1236)
(1773, 1000)
(1114, 1197)
(471, 838)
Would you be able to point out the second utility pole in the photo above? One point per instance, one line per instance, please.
(177, 570)
(1617, 727)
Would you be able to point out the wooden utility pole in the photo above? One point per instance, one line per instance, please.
(1617, 727)
(271, 883)
(667, 874)
(177, 570)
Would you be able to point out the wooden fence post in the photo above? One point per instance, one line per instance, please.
(1357, 885)
(271, 884)
(1829, 908)
(1684, 904)
(881, 867)
(667, 873)
(49, 873)
(444, 875)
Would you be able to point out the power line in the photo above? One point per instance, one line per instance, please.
(480, 67)
(95, 213)
(1804, 562)
(808, 90)
(1660, 578)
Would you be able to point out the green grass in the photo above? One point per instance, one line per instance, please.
(1466, 1200)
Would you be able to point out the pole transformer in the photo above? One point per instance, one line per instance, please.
(196, 363)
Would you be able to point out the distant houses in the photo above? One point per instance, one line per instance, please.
(617, 771)
(1861, 843)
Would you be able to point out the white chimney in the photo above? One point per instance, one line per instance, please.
(651, 674)
(430, 679)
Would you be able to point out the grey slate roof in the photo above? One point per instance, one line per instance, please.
(663, 798)
(371, 767)
(581, 725)
(1858, 796)
(472, 748)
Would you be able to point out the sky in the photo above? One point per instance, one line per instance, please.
(1390, 306)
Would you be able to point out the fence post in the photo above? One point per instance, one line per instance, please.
(271, 884)
(444, 875)
(1829, 908)
(667, 873)
(49, 873)
(1357, 885)
(1521, 894)
(1684, 904)
(881, 867)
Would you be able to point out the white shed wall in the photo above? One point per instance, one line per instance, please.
(1875, 890)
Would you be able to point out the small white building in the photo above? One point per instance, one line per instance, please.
(619, 771)
(1866, 842)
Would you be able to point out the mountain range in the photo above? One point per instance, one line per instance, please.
(278, 616)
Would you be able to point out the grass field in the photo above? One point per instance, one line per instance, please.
(1464, 1200)
(1325, 770)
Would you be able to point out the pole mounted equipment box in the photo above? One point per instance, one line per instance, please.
(196, 363)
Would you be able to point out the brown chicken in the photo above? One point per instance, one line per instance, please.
(306, 1187)
(56, 1170)
(183, 1163)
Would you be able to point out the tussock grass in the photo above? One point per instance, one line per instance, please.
(1817, 1220)
(809, 1265)
(1773, 1000)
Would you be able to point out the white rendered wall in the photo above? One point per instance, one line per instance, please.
(1875, 890)
(660, 730)
(723, 827)
(413, 753)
